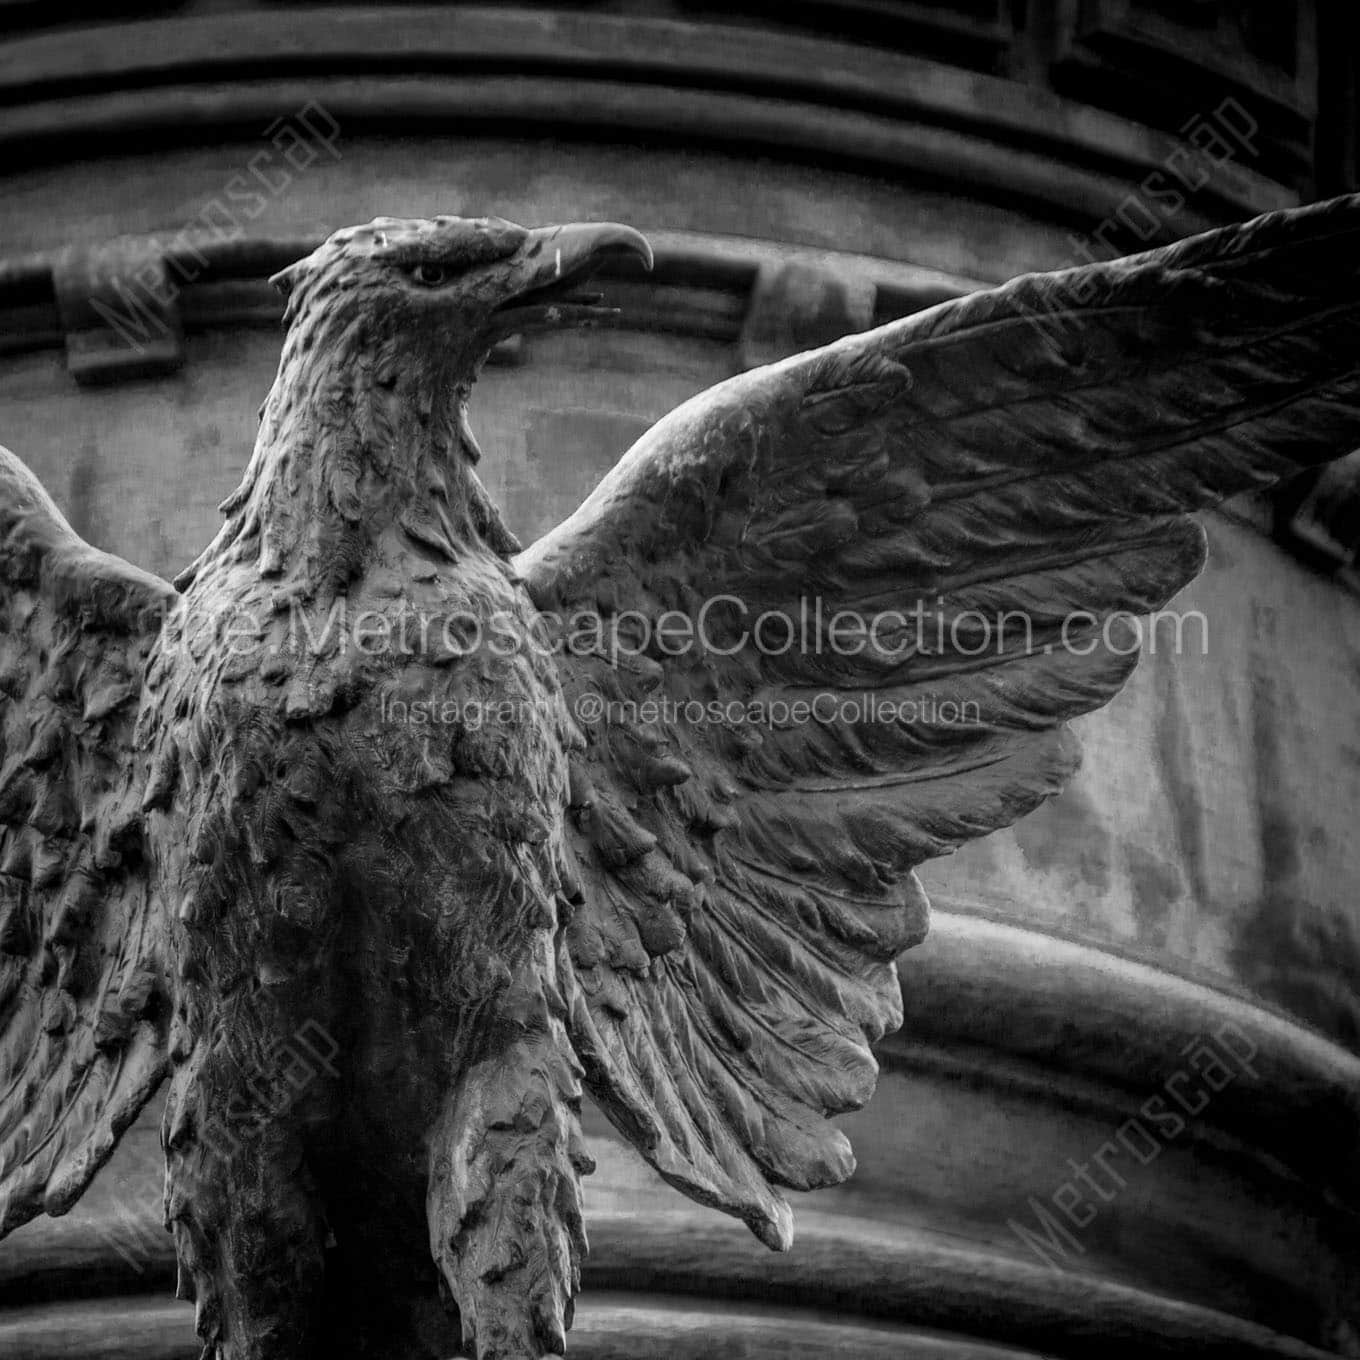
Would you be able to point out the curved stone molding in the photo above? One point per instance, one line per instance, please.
(606, 1328)
(858, 1269)
(702, 286)
(547, 71)
(1070, 1009)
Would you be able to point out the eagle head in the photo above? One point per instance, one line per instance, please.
(366, 423)
(433, 295)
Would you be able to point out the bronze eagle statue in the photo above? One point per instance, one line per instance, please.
(219, 836)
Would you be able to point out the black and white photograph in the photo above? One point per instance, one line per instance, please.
(680, 681)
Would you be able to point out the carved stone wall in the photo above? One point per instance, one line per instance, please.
(1182, 923)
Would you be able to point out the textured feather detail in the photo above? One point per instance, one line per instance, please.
(1027, 454)
(505, 1165)
(82, 986)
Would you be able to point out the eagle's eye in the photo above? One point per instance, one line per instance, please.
(431, 275)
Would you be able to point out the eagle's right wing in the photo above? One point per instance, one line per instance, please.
(83, 1002)
(944, 528)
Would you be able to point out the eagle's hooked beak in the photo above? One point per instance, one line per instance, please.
(542, 283)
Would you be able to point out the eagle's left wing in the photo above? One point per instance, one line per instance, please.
(83, 999)
(955, 517)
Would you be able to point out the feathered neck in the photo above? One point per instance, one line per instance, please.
(355, 440)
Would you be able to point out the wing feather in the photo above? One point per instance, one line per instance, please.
(1026, 454)
(82, 986)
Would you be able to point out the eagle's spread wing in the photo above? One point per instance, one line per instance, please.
(82, 1013)
(1024, 453)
